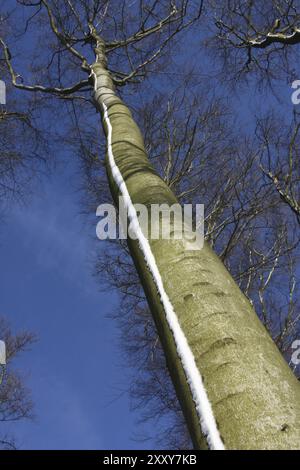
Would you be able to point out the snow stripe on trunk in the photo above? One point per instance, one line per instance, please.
(194, 379)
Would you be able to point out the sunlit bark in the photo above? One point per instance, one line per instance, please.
(254, 395)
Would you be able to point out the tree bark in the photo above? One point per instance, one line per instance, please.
(254, 396)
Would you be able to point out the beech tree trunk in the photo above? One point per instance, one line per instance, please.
(255, 397)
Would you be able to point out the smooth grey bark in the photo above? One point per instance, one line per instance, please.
(254, 395)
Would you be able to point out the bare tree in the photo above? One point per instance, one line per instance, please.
(244, 223)
(279, 155)
(254, 36)
(23, 146)
(218, 354)
(15, 400)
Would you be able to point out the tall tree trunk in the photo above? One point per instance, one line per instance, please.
(235, 389)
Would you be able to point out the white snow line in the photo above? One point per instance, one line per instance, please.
(194, 379)
(255, 42)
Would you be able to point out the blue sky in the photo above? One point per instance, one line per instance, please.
(75, 369)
